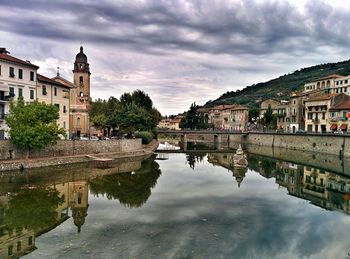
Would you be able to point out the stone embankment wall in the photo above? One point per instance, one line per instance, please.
(317, 143)
(96, 153)
(71, 148)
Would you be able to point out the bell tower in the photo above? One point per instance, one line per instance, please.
(82, 74)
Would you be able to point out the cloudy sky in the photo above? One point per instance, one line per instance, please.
(178, 52)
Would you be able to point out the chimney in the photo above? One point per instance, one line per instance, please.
(3, 51)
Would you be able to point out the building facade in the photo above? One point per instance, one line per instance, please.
(80, 100)
(17, 79)
(264, 105)
(55, 93)
(317, 111)
(229, 117)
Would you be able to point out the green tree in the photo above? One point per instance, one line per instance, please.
(253, 113)
(100, 121)
(33, 125)
(134, 118)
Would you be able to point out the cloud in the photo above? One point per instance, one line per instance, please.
(206, 47)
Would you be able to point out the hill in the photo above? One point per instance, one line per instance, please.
(281, 87)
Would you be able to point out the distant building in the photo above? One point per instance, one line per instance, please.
(290, 116)
(339, 116)
(264, 105)
(17, 79)
(323, 84)
(229, 117)
(317, 111)
(55, 93)
(172, 124)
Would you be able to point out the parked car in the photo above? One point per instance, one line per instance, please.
(300, 131)
(94, 138)
(84, 138)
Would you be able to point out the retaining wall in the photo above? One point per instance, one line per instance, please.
(71, 148)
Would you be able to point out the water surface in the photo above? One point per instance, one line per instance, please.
(183, 206)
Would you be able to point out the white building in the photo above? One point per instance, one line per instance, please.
(17, 78)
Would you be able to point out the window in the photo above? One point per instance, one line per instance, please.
(31, 94)
(344, 114)
(30, 241)
(78, 122)
(12, 72)
(10, 250)
(20, 92)
(81, 80)
(19, 246)
(309, 115)
(64, 109)
(55, 91)
(0, 70)
(44, 92)
(31, 76)
(12, 91)
(20, 73)
(64, 126)
(323, 115)
(58, 106)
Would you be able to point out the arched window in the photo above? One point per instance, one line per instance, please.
(81, 80)
(78, 122)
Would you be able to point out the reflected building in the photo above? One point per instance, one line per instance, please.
(74, 196)
(17, 238)
(227, 161)
(322, 188)
(14, 243)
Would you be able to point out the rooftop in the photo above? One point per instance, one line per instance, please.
(47, 80)
(5, 56)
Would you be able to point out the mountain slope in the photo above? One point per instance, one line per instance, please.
(281, 87)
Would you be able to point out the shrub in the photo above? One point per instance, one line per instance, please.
(146, 136)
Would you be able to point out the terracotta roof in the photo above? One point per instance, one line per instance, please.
(239, 107)
(329, 77)
(224, 107)
(342, 106)
(63, 81)
(47, 80)
(322, 97)
(9, 58)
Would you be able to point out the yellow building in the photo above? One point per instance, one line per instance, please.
(229, 117)
(316, 111)
(80, 99)
(55, 93)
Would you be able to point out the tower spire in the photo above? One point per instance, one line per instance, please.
(58, 71)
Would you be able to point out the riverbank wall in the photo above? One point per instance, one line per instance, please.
(338, 145)
(71, 152)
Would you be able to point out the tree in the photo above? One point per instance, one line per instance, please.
(134, 118)
(253, 113)
(33, 125)
(270, 119)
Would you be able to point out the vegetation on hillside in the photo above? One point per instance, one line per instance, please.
(281, 87)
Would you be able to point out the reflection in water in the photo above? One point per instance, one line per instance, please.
(322, 188)
(195, 212)
(227, 161)
(131, 189)
(28, 212)
(193, 159)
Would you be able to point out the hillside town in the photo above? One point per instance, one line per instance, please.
(323, 106)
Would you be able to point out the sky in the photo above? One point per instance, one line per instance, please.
(178, 52)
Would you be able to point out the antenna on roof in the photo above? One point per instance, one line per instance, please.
(58, 71)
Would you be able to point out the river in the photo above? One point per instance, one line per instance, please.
(177, 205)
